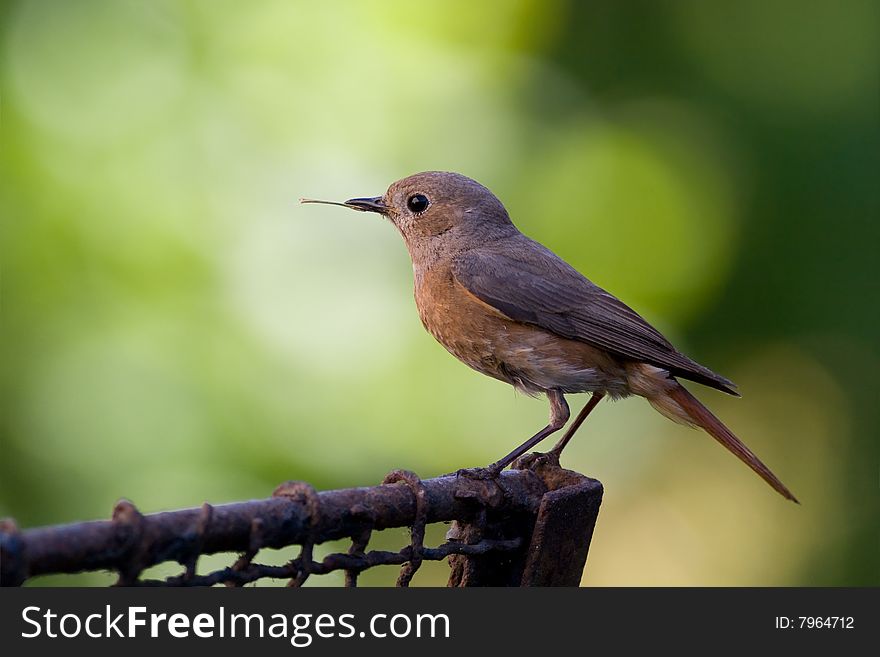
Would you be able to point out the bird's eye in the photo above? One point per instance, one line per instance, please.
(417, 203)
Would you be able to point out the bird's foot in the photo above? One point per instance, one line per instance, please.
(480, 474)
(529, 461)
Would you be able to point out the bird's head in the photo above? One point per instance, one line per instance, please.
(438, 210)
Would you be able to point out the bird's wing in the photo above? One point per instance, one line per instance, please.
(530, 284)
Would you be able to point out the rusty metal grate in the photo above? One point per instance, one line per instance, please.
(530, 527)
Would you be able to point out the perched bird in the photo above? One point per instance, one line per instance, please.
(512, 309)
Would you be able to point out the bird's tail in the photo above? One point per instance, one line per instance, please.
(703, 417)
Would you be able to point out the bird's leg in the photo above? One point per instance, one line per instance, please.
(578, 421)
(559, 415)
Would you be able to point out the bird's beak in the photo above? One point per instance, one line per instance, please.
(371, 204)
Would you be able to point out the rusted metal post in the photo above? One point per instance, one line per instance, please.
(560, 531)
(563, 531)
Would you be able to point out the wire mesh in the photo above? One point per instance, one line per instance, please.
(498, 537)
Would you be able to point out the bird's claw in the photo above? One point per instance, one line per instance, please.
(479, 474)
(529, 461)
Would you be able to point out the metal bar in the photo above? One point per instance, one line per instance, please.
(530, 527)
(132, 542)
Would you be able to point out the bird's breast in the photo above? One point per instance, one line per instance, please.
(529, 358)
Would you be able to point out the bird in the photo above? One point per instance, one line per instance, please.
(510, 308)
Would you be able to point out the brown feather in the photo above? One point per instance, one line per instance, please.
(530, 284)
(704, 418)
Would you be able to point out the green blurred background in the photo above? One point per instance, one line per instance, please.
(176, 328)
